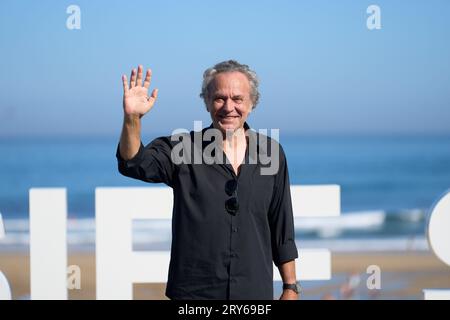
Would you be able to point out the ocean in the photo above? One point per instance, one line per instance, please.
(388, 185)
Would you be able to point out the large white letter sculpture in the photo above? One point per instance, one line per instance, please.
(5, 291)
(319, 201)
(118, 267)
(439, 240)
(48, 243)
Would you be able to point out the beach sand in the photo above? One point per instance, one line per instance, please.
(403, 276)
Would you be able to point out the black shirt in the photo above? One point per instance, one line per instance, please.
(215, 254)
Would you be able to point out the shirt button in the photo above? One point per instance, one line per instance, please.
(235, 229)
(233, 254)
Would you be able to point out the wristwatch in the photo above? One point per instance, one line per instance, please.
(293, 286)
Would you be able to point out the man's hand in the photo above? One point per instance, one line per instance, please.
(289, 295)
(136, 101)
(287, 272)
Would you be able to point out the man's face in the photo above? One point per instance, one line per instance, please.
(229, 102)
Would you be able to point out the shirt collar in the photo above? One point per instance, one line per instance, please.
(246, 126)
(252, 135)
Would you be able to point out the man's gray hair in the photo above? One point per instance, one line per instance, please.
(230, 66)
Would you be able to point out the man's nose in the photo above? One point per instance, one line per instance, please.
(228, 105)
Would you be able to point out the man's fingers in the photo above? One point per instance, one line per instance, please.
(136, 77)
(133, 78)
(155, 94)
(125, 84)
(139, 76)
(153, 97)
(148, 78)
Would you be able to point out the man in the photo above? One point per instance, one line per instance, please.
(230, 221)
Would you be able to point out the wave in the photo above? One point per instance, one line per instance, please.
(334, 226)
(415, 243)
(350, 226)
(370, 223)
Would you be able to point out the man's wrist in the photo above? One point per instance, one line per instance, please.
(292, 286)
(131, 117)
(289, 294)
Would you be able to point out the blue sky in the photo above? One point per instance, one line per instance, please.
(321, 70)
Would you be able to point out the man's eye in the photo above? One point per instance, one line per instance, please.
(218, 100)
(238, 100)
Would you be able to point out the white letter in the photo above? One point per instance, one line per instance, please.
(181, 152)
(48, 246)
(118, 267)
(74, 278)
(74, 20)
(198, 142)
(374, 20)
(211, 154)
(274, 159)
(322, 201)
(374, 280)
(5, 291)
(439, 240)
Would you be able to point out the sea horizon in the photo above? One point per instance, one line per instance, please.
(387, 183)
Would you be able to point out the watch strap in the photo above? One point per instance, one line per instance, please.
(292, 286)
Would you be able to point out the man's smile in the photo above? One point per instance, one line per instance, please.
(228, 118)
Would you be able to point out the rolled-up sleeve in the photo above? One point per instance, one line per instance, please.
(281, 218)
(151, 163)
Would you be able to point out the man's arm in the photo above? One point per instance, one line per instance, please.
(281, 221)
(130, 138)
(287, 272)
(151, 163)
(136, 103)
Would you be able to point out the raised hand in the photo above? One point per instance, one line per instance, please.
(136, 101)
